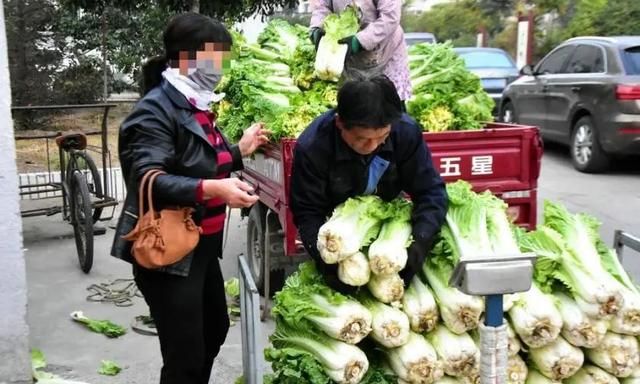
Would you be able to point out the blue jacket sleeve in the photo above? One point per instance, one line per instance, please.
(425, 186)
(309, 200)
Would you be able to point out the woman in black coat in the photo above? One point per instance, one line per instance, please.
(173, 129)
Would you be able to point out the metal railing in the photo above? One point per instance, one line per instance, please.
(250, 325)
(622, 239)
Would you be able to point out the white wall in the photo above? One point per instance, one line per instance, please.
(15, 362)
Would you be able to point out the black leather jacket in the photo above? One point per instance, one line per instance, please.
(162, 133)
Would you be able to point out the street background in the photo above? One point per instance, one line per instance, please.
(57, 286)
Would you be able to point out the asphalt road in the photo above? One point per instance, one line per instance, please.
(613, 197)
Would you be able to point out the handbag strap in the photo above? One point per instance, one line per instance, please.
(147, 181)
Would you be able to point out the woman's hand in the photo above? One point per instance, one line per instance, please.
(235, 192)
(254, 137)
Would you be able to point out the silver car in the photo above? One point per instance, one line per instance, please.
(493, 66)
(586, 94)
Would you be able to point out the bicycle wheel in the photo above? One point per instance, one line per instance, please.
(82, 162)
(81, 220)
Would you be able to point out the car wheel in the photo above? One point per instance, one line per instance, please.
(508, 113)
(586, 153)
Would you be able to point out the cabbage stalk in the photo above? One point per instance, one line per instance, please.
(459, 354)
(590, 374)
(354, 270)
(467, 220)
(416, 361)
(390, 326)
(557, 360)
(535, 377)
(420, 305)
(617, 354)
(460, 312)
(331, 55)
(388, 253)
(447, 380)
(634, 378)
(353, 225)
(501, 237)
(594, 289)
(535, 318)
(570, 240)
(517, 370)
(627, 320)
(344, 363)
(578, 328)
(386, 288)
(305, 301)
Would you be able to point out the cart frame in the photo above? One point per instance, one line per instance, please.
(85, 193)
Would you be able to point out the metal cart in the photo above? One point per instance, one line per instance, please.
(85, 192)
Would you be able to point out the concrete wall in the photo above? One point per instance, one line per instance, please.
(15, 362)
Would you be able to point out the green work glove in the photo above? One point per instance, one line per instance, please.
(353, 45)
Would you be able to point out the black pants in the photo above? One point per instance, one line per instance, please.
(190, 314)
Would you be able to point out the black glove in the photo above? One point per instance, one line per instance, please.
(315, 35)
(353, 44)
(330, 273)
(417, 253)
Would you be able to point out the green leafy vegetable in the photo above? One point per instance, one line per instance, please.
(105, 327)
(109, 368)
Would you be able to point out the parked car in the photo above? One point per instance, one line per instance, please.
(586, 94)
(495, 68)
(412, 38)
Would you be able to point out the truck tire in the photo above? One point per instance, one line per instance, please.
(257, 252)
(508, 113)
(586, 153)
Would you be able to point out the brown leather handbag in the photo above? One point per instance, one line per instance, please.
(161, 238)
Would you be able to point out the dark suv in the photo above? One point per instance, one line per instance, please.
(585, 93)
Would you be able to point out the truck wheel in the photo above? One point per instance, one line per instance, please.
(257, 252)
(586, 153)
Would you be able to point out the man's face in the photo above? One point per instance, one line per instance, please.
(214, 58)
(363, 140)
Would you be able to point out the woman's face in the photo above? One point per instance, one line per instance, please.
(213, 59)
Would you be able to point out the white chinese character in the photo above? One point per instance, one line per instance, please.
(450, 166)
(482, 165)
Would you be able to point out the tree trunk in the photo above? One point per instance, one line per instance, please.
(105, 89)
(195, 6)
(20, 69)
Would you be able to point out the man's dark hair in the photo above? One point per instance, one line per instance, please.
(369, 102)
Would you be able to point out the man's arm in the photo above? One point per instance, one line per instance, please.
(309, 201)
(429, 195)
(389, 12)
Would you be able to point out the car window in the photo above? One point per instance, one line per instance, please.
(480, 59)
(554, 63)
(586, 59)
(631, 60)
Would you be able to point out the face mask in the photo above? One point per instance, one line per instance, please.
(207, 81)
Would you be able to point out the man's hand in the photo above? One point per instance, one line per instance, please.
(417, 253)
(353, 44)
(315, 35)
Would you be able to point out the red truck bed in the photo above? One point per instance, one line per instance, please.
(503, 158)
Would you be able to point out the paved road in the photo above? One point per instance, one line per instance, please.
(57, 287)
(613, 198)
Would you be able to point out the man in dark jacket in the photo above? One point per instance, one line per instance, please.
(365, 146)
